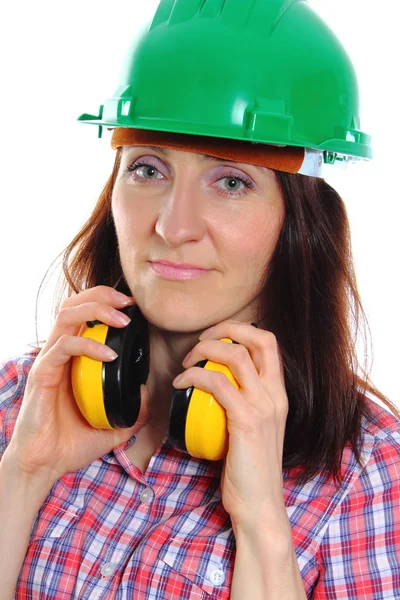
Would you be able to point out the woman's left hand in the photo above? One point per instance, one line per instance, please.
(251, 483)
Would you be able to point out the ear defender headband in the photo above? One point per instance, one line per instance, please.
(288, 158)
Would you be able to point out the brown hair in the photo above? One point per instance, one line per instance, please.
(311, 303)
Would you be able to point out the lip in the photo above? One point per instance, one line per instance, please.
(176, 271)
(175, 265)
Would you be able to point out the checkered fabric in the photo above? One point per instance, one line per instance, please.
(110, 532)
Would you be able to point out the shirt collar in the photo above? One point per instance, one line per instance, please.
(182, 461)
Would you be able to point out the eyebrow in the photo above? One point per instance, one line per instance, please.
(202, 157)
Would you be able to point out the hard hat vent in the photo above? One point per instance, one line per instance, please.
(265, 71)
(234, 13)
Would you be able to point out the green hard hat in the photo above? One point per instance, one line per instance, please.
(266, 71)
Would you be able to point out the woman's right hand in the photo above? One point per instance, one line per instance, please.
(51, 436)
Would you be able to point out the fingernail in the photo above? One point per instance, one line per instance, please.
(110, 354)
(121, 297)
(186, 357)
(121, 318)
(207, 333)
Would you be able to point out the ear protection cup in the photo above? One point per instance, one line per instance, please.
(197, 422)
(108, 394)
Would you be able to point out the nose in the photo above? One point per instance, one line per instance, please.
(180, 218)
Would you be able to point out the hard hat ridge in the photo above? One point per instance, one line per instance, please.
(262, 71)
(253, 13)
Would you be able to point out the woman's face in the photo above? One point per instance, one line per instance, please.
(186, 208)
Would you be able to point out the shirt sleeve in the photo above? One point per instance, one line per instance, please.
(13, 377)
(359, 556)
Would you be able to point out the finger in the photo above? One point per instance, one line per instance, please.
(108, 295)
(102, 293)
(46, 370)
(235, 356)
(219, 386)
(69, 320)
(262, 346)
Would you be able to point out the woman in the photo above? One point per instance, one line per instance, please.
(305, 503)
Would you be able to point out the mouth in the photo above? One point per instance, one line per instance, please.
(179, 272)
(175, 265)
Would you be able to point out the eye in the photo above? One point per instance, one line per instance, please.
(231, 180)
(230, 177)
(151, 169)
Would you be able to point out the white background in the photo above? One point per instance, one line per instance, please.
(61, 59)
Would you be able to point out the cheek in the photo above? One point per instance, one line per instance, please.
(117, 207)
(255, 246)
(268, 230)
(128, 216)
(254, 239)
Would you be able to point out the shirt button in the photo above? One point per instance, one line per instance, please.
(108, 569)
(217, 577)
(146, 495)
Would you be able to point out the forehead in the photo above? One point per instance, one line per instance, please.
(200, 157)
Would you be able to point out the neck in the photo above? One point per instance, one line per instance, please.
(167, 351)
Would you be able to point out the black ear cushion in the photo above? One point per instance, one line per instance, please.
(178, 413)
(123, 377)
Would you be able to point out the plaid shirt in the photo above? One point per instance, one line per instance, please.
(109, 532)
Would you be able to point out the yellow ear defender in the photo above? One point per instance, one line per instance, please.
(108, 394)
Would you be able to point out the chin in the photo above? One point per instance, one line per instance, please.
(176, 314)
(170, 318)
(174, 308)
